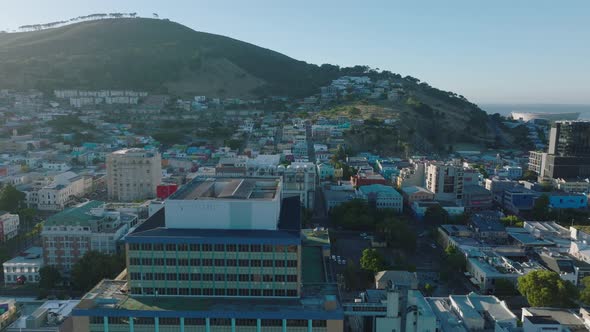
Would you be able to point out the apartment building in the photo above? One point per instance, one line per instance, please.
(445, 181)
(133, 174)
(25, 267)
(8, 225)
(382, 197)
(68, 235)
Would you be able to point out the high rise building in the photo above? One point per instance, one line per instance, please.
(568, 156)
(133, 174)
(445, 181)
(223, 254)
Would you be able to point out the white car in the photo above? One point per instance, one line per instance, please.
(344, 262)
(363, 234)
(333, 257)
(433, 245)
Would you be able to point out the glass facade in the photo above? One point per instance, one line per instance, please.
(243, 270)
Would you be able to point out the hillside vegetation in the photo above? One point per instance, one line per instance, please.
(154, 55)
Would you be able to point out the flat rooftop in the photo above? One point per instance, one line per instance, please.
(75, 216)
(111, 295)
(229, 188)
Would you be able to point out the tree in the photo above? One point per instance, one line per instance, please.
(504, 287)
(512, 221)
(95, 266)
(585, 293)
(428, 289)
(11, 199)
(398, 234)
(455, 260)
(372, 261)
(529, 175)
(49, 277)
(546, 289)
(541, 208)
(436, 214)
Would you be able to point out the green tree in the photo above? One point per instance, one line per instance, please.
(49, 277)
(585, 293)
(429, 289)
(546, 289)
(455, 260)
(95, 266)
(11, 199)
(541, 208)
(398, 234)
(504, 287)
(529, 175)
(436, 215)
(372, 261)
(512, 221)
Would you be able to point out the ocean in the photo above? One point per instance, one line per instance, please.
(506, 109)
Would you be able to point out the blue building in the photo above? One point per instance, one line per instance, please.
(563, 200)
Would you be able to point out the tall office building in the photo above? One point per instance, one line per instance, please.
(133, 174)
(223, 254)
(568, 156)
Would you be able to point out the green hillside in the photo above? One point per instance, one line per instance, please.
(155, 55)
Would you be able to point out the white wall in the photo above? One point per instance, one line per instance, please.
(223, 214)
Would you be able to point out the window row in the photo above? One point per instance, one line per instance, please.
(212, 262)
(136, 276)
(214, 292)
(174, 321)
(212, 247)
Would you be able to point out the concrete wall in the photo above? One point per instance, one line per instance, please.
(223, 214)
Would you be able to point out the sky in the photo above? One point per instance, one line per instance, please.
(501, 51)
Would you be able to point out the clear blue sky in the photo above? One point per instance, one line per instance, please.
(501, 51)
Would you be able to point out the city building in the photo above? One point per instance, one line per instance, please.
(43, 316)
(445, 181)
(9, 224)
(472, 312)
(486, 267)
(24, 268)
(572, 185)
(325, 171)
(564, 200)
(414, 193)
(365, 178)
(477, 198)
(487, 226)
(133, 174)
(412, 176)
(554, 319)
(419, 208)
(68, 235)
(381, 197)
(240, 265)
(568, 155)
(299, 179)
(537, 161)
(8, 312)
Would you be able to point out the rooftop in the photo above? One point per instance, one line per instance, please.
(75, 216)
(228, 188)
(112, 295)
(565, 317)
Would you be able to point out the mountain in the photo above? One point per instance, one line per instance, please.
(161, 56)
(155, 55)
